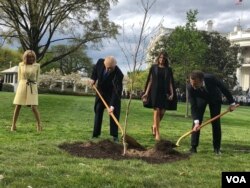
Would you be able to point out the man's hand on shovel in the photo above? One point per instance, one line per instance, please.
(232, 107)
(111, 109)
(196, 127)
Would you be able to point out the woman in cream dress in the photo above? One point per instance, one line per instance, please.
(27, 91)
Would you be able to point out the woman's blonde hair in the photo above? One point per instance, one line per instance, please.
(26, 53)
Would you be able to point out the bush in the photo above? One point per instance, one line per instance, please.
(8, 88)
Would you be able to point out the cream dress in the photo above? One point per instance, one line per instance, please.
(27, 91)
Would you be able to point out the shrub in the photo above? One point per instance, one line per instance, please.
(8, 88)
(58, 92)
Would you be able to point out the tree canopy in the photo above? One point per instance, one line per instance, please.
(78, 61)
(9, 58)
(220, 57)
(39, 24)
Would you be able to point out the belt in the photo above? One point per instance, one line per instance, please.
(29, 83)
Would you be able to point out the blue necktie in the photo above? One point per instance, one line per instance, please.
(105, 75)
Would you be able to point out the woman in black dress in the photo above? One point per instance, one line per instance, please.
(160, 91)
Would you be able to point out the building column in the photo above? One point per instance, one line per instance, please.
(86, 89)
(14, 81)
(238, 75)
(62, 88)
(239, 70)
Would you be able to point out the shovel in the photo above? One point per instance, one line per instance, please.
(202, 125)
(128, 139)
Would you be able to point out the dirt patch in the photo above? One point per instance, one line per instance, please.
(162, 152)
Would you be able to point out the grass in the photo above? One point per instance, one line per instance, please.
(31, 159)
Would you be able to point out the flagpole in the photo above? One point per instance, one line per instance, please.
(240, 3)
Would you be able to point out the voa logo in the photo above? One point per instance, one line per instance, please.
(236, 179)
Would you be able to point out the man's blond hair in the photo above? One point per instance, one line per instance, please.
(110, 61)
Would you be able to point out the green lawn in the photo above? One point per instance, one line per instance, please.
(31, 159)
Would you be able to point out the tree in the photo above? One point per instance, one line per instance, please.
(139, 82)
(186, 47)
(38, 24)
(135, 54)
(221, 57)
(77, 61)
(9, 58)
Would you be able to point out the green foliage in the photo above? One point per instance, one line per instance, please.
(7, 56)
(191, 19)
(221, 57)
(186, 47)
(74, 62)
(140, 81)
(33, 159)
(8, 87)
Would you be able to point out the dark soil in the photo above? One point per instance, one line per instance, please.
(162, 152)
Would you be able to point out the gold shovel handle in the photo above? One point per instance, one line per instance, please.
(106, 105)
(202, 125)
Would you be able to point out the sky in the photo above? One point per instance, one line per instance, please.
(225, 15)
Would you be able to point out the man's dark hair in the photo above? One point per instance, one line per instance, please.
(197, 74)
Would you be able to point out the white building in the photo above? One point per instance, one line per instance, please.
(242, 38)
(10, 76)
(162, 32)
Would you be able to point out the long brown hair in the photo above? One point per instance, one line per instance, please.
(166, 60)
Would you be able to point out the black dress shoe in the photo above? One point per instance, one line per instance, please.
(217, 151)
(193, 150)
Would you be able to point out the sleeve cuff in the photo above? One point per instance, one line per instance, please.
(196, 121)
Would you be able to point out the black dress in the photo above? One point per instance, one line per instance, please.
(161, 97)
(160, 88)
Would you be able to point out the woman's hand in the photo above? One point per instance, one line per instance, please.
(144, 97)
(170, 97)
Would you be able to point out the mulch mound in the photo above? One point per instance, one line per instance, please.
(162, 152)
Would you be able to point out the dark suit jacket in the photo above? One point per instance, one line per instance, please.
(170, 104)
(110, 87)
(212, 94)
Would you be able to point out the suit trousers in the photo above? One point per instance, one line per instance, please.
(99, 109)
(215, 109)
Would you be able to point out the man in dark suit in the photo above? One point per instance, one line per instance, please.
(207, 89)
(109, 84)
